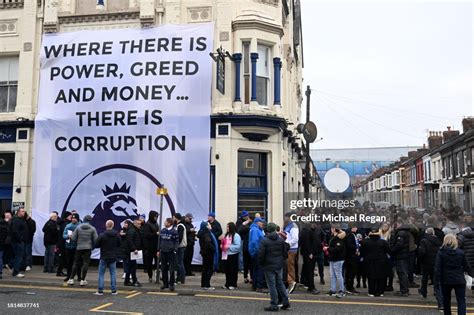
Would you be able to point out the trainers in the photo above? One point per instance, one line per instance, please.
(370, 295)
(28, 268)
(99, 293)
(114, 292)
(331, 293)
(19, 275)
(291, 287)
(286, 307)
(353, 292)
(271, 309)
(137, 284)
(314, 291)
(83, 283)
(123, 276)
(209, 288)
(70, 282)
(398, 293)
(232, 288)
(341, 294)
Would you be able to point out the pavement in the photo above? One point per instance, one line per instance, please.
(44, 293)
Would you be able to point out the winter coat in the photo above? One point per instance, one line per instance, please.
(466, 243)
(216, 229)
(3, 234)
(256, 235)
(69, 243)
(206, 244)
(85, 236)
(109, 244)
(31, 229)
(399, 244)
(168, 240)
(451, 264)
(190, 235)
(272, 252)
(19, 230)
(374, 252)
(51, 233)
(428, 251)
(150, 236)
(133, 240)
(337, 247)
(244, 232)
(311, 241)
(62, 225)
(351, 248)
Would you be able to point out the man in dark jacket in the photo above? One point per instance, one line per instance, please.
(3, 240)
(243, 229)
(28, 253)
(352, 258)
(399, 249)
(272, 254)
(150, 232)
(427, 253)
(109, 244)
(50, 239)
(133, 243)
(168, 245)
(191, 239)
(310, 245)
(64, 220)
(19, 236)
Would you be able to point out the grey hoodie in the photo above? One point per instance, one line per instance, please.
(85, 236)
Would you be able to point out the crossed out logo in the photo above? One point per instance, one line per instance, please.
(117, 192)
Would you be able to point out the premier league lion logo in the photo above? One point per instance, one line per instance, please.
(117, 205)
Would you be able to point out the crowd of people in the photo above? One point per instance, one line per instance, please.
(435, 245)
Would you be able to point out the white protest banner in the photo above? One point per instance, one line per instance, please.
(122, 112)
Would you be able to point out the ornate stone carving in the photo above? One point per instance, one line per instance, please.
(199, 14)
(8, 27)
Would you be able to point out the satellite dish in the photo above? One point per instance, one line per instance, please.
(336, 180)
(310, 132)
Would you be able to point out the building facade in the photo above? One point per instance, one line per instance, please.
(256, 153)
(439, 176)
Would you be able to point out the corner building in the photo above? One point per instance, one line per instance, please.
(257, 90)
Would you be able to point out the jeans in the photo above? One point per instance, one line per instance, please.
(188, 259)
(168, 260)
(320, 262)
(275, 284)
(111, 264)
(460, 291)
(425, 274)
(241, 257)
(18, 252)
(411, 266)
(257, 274)
(307, 274)
(28, 255)
(180, 264)
(207, 270)
(401, 266)
(49, 258)
(335, 269)
(131, 270)
(85, 255)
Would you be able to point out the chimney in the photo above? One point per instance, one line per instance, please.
(467, 124)
(435, 139)
(449, 134)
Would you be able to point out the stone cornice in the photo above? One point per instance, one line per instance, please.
(256, 24)
(99, 17)
(15, 4)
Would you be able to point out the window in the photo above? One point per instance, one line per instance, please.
(8, 83)
(252, 182)
(263, 74)
(246, 62)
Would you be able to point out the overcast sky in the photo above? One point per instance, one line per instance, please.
(383, 73)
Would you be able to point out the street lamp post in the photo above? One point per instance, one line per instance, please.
(161, 191)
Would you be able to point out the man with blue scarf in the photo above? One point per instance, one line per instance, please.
(209, 253)
(256, 235)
